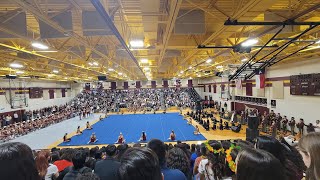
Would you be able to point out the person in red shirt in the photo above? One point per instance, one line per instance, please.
(66, 160)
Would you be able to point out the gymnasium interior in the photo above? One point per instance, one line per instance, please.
(112, 78)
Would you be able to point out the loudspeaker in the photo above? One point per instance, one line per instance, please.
(102, 78)
(251, 134)
(11, 76)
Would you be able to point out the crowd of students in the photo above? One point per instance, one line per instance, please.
(265, 159)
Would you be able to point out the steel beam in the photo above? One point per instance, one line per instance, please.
(106, 18)
(284, 23)
(230, 47)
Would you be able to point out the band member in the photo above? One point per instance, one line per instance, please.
(300, 126)
(284, 124)
(121, 139)
(172, 136)
(197, 131)
(88, 126)
(274, 129)
(264, 122)
(278, 121)
(93, 138)
(65, 138)
(78, 131)
(143, 136)
(292, 124)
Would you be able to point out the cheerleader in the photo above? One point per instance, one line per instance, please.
(190, 121)
(78, 131)
(121, 139)
(143, 136)
(88, 126)
(172, 136)
(197, 131)
(93, 138)
(65, 138)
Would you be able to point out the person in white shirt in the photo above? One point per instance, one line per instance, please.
(15, 117)
(317, 126)
(8, 119)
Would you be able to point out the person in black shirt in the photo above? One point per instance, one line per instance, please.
(65, 138)
(107, 169)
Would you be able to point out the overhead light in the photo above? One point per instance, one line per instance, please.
(249, 42)
(39, 45)
(19, 72)
(50, 75)
(179, 75)
(95, 63)
(244, 60)
(318, 42)
(90, 63)
(144, 60)
(51, 51)
(219, 67)
(181, 72)
(209, 61)
(146, 68)
(190, 77)
(120, 73)
(136, 43)
(110, 69)
(65, 78)
(55, 71)
(15, 65)
(190, 67)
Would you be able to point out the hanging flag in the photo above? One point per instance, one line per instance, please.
(239, 83)
(260, 78)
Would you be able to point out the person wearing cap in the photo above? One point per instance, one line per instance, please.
(120, 140)
(93, 138)
(143, 136)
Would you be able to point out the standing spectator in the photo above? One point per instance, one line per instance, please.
(78, 161)
(15, 117)
(17, 163)
(317, 126)
(8, 119)
(309, 148)
(258, 164)
(47, 171)
(159, 148)
(107, 169)
(140, 164)
(292, 124)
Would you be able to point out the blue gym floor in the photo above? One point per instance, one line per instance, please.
(157, 126)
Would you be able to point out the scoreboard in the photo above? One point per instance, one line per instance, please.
(305, 84)
(35, 92)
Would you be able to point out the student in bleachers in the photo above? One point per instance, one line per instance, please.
(177, 159)
(139, 163)
(309, 148)
(17, 162)
(107, 168)
(47, 171)
(256, 164)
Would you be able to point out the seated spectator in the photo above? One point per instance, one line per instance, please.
(107, 169)
(139, 163)
(309, 148)
(258, 164)
(78, 161)
(46, 170)
(159, 148)
(121, 149)
(66, 159)
(87, 176)
(17, 162)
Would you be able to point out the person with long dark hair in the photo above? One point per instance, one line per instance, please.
(143, 136)
(17, 162)
(255, 164)
(309, 148)
(273, 146)
(139, 163)
(177, 159)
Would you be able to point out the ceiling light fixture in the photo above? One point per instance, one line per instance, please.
(16, 65)
(19, 72)
(209, 61)
(110, 69)
(39, 45)
(144, 60)
(90, 63)
(219, 67)
(244, 60)
(146, 68)
(190, 67)
(181, 72)
(318, 42)
(249, 42)
(136, 43)
(95, 63)
(120, 73)
(55, 71)
(50, 75)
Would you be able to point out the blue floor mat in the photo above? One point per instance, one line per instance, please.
(156, 126)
